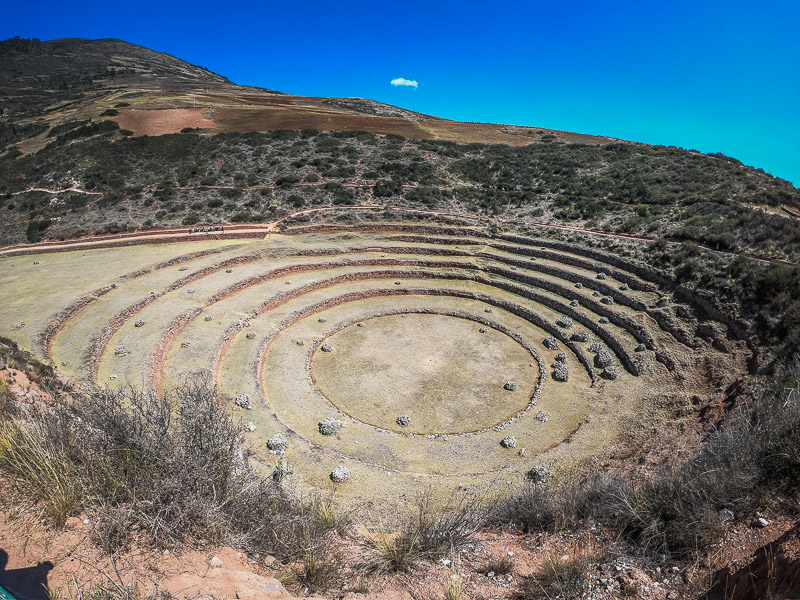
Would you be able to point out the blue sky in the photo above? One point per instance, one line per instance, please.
(713, 76)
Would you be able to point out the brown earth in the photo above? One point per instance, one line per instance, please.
(159, 122)
(763, 563)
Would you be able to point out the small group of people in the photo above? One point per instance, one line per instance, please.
(207, 229)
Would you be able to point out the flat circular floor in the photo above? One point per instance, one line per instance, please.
(440, 371)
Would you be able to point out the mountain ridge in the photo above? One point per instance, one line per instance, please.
(53, 82)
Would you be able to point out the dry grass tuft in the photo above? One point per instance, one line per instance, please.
(499, 566)
(559, 578)
(428, 533)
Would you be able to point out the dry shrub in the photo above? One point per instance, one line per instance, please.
(499, 566)
(559, 578)
(430, 532)
(318, 572)
(752, 459)
(172, 470)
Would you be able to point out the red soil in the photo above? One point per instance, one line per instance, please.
(159, 122)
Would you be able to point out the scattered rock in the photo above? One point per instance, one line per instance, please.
(403, 420)
(185, 344)
(329, 426)
(215, 561)
(560, 372)
(250, 426)
(277, 444)
(251, 335)
(609, 373)
(139, 323)
(2, 365)
(207, 318)
(326, 347)
(483, 330)
(603, 359)
(641, 348)
(511, 386)
(761, 522)
(595, 347)
(542, 416)
(243, 401)
(578, 286)
(564, 322)
(359, 324)
(624, 287)
(487, 310)
(580, 336)
(596, 294)
(508, 442)
(340, 474)
(561, 357)
(607, 300)
(602, 275)
(551, 343)
(603, 320)
(538, 474)
(574, 303)
(322, 320)
(521, 452)
(229, 270)
(16, 326)
(121, 351)
(397, 282)
(182, 268)
(190, 291)
(36, 262)
(300, 343)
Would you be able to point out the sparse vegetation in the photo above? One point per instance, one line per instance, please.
(559, 578)
(748, 462)
(170, 469)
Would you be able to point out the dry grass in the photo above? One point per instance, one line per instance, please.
(318, 572)
(499, 566)
(559, 578)
(169, 471)
(752, 460)
(376, 386)
(454, 588)
(430, 532)
(29, 455)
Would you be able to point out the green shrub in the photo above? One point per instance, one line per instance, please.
(36, 229)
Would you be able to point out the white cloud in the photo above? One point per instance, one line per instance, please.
(405, 82)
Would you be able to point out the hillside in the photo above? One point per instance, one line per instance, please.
(46, 84)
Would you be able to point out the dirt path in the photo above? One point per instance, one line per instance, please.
(49, 191)
(251, 230)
